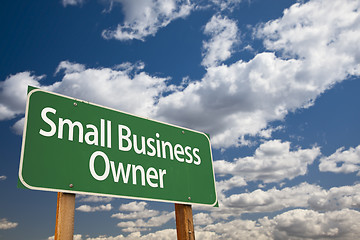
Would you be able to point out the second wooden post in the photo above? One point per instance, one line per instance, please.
(64, 227)
(184, 222)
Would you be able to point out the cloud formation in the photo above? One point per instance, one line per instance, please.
(72, 2)
(137, 210)
(88, 208)
(92, 198)
(140, 217)
(309, 224)
(304, 195)
(273, 161)
(294, 224)
(114, 88)
(342, 161)
(224, 35)
(307, 52)
(13, 93)
(145, 17)
(231, 101)
(6, 224)
(145, 224)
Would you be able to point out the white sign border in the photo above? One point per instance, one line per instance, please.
(104, 194)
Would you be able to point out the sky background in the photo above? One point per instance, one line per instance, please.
(275, 84)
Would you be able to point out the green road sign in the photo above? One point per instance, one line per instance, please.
(74, 146)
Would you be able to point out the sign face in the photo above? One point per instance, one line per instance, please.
(74, 146)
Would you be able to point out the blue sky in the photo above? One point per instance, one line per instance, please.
(275, 84)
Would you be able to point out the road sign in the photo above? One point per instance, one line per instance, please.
(75, 146)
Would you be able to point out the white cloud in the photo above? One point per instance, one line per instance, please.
(91, 198)
(144, 219)
(335, 198)
(116, 88)
(133, 206)
(69, 67)
(294, 224)
(146, 17)
(166, 234)
(272, 199)
(3, 178)
(330, 29)
(155, 221)
(273, 161)
(112, 88)
(233, 182)
(87, 208)
(202, 219)
(13, 93)
(308, 196)
(342, 161)
(226, 4)
(18, 127)
(302, 196)
(5, 224)
(309, 224)
(231, 101)
(146, 213)
(237, 229)
(75, 237)
(317, 49)
(72, 2)
(224, 34)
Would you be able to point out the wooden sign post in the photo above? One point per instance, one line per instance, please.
(184, 222)
(65, 211)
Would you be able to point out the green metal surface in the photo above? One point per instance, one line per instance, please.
(52, 162)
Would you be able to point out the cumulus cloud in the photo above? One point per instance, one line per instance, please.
(97, 85)
(202, 219)
(13, 93)
(331, 29)
(226, 4)
(309, 224)
(144, 18)
(305, 195)
(75, 237)
(273, 161)
(72, 2)
(114, 88)
(18, 127)
(294, 224)
(236, 229)
(69, 67)
(87, 208)
(224, 35)
(144, 225)
(335, 198)
(92, 198)
(233, 101)
(308, 51)
(133, 206)
(142, 219)
(166, 234)
(272, 199)
(3, 178)
(6, 224)
(342, 161)
(146, 213)
(233, 182)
